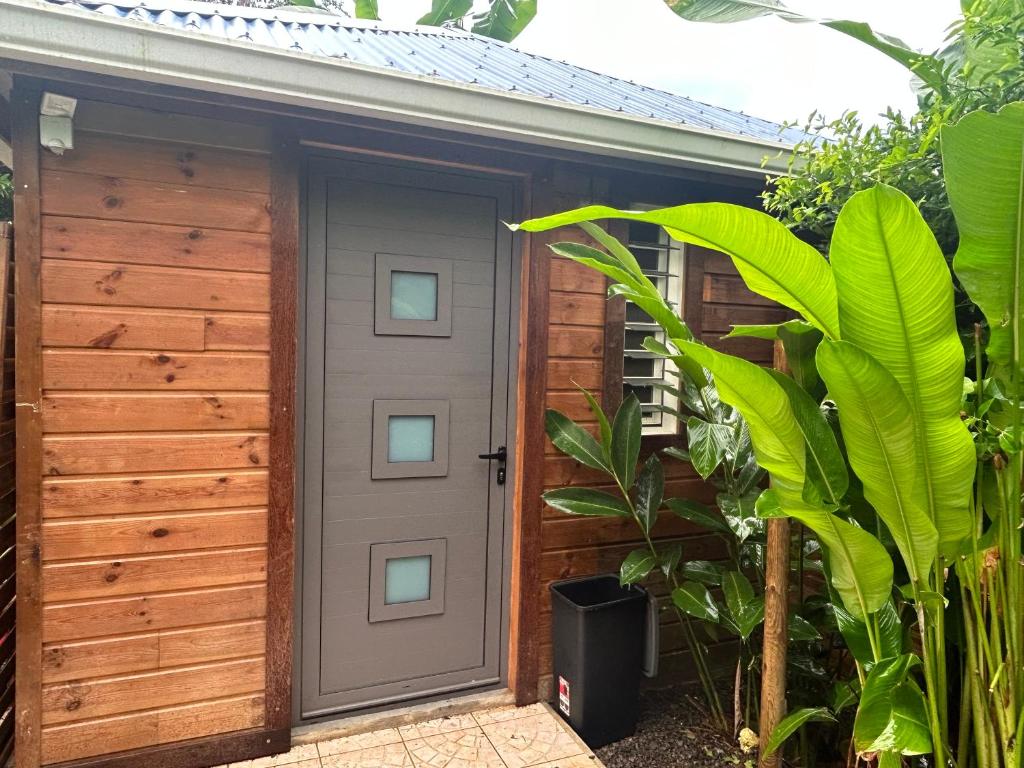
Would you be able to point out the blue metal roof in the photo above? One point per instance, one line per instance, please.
(447, 54)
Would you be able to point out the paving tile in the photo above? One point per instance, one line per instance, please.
(455, 749)
(576, 761)
(359, 741)
(299, 754)
(434, 727)
(380, 756)
(530, 741)
(508, 712)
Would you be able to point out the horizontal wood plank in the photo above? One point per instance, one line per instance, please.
(571, 374)
(107, 197)
(730, 289)
(576, 309)
(110, 369)
(571, 277)
(574, 341)
(133, 285)
(165, 162)
(237, 332)
(153, 573)
(127, 535)
(96, 328)
(74, 701)
(153, 452)
(152, 650)
(73, 741)
(113, 495)
(146, 411)
(167, 245)
(97, 618)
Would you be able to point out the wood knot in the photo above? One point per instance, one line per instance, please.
(222, 480)
(187, 156)
(159, 533)
(72, 704)
(163, 359)
(254, 458)
(214, 401)
(195, 234)
(111, 577)
(111, 201)
(169, 378)
(136, 481)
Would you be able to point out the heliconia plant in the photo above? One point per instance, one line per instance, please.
(940, 480)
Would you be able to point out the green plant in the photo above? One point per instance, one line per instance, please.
(902, 467)
(502, 20)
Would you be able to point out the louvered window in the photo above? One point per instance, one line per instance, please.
(647, 376)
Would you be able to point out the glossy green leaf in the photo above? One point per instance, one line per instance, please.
(826, 480)
(505, 19)
(625, 447)
(637, 566)
(896, 304)
(445, 10)
(878, 431)
(892, 716)
(573, 440)
(586, 501)
(862, 572)
(694, 599)
(650, 487)
(844, 693)
(677, 453)
(604, 426)
(855, 633)
(605, 264)
(740, 515)
(801, 630)
(707, 444)
(772, 260)
(800, 342)
(745, 609)
(703, 571)
(792, 722)
(698, 513)
(983, 162)
(668, 559)
(367, 9)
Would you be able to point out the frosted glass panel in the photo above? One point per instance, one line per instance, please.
(407, 579)
(413, 296)
(410, 438)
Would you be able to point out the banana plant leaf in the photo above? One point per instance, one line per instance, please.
(878, 431)
(772, 260)
(367, 9)
(445, 10)
(892, 716)
(983, 162)
(505, 19)
(896, 303)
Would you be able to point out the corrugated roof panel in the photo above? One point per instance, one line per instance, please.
(452, 55)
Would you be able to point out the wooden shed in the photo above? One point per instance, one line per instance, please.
(267, 320)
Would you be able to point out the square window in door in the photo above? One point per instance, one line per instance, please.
(412, 296)
(410, 439)
(406, 579)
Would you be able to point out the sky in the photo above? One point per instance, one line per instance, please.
(765, 67)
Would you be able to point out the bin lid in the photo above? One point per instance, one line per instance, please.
(590, 593)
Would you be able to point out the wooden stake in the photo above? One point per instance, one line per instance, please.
(776, 621)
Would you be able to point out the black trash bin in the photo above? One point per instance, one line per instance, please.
(598, 638)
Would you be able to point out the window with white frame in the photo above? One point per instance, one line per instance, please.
(649, 377)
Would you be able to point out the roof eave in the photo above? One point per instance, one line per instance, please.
(41, 33)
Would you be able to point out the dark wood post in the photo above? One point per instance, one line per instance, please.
(776, 621)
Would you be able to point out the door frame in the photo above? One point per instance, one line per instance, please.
(517, 192)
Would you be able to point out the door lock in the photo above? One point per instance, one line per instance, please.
(500, 456)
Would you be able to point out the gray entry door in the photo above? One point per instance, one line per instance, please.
(408, 300)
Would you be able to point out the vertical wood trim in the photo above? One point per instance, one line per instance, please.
(28, 425)
(776, 620)
(524, 638)
(693, 290)
(284, 266)
(614, 334)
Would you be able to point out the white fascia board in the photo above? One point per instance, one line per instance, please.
(42, 33)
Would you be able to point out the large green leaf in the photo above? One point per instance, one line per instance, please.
(878, 431)
(896, 303)
(588, 502)
(925, 66)
(573, 440)
(625, 447)
(855, 633)
(367, 9)
(892, 716)
(862, 571)
(637, 565)
(445, 10)
(505, 19)
(694, 599)
(792, 722)
(698, 513)
(650, 486)
(707, 444)
(745, 609)
(772, 260)
(983, 161)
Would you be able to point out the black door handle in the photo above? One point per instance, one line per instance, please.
(499, 455)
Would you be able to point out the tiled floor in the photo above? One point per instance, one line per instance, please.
(502, 737)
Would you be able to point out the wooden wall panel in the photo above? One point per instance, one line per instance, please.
(578, 323)
(155, 283)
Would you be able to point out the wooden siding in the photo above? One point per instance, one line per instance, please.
(155, 331)
(578, 310)
(7, 497)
